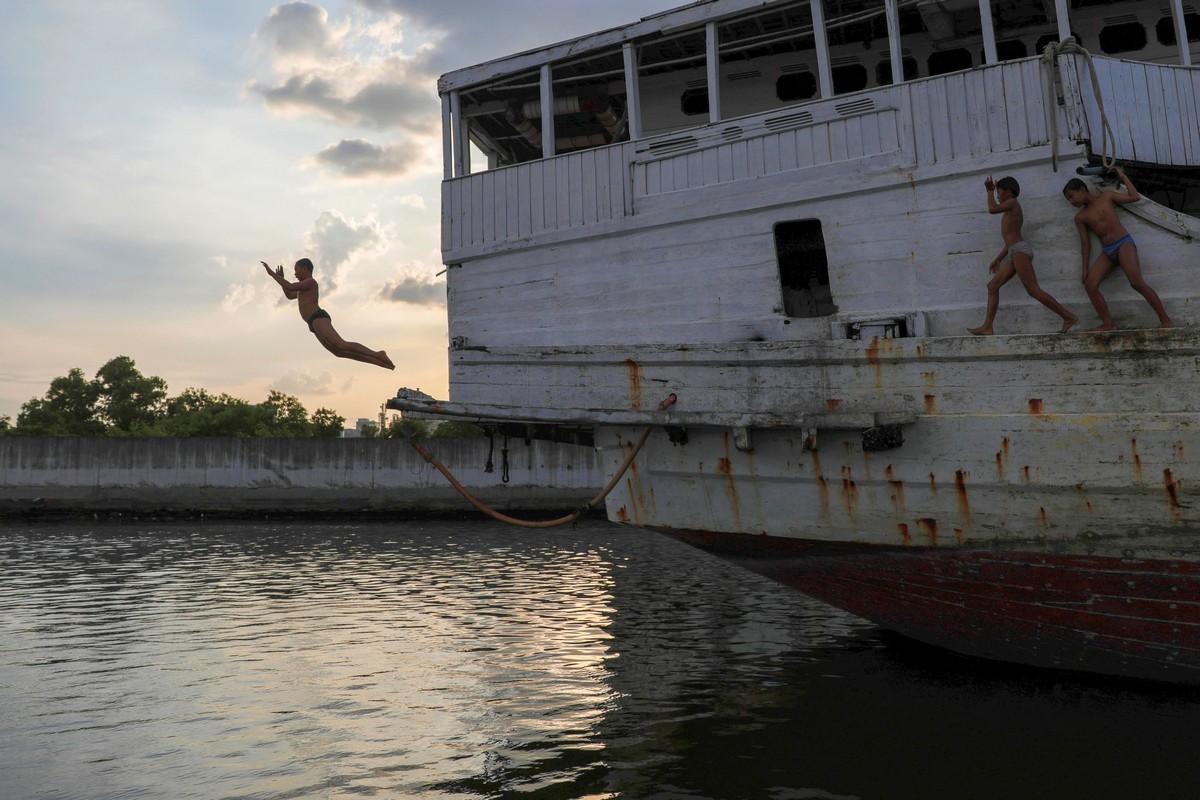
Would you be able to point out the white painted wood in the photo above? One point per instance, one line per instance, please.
(824, 69)
(895, 48)
(713, 65)
(547, 102)
(1062, 17)
(1181, 37)
(988, 31)
(448, 126)
(633, 94)
(456, 131)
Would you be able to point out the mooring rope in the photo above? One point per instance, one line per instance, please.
(550, 523)
(1050, 55)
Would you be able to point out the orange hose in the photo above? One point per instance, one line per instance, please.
(550, 523)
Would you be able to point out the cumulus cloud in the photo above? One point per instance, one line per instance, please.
(239, 295)
(358, 158)
(415, 291)
(299, 32)
(335, 240)
(297, 382)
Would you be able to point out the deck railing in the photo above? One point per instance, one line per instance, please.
(964, 115)
(1153, 109)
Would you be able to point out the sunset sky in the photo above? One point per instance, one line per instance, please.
(154, 151)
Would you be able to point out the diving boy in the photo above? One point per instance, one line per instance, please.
(306, 292)
(1016, 258)
(1098, 215)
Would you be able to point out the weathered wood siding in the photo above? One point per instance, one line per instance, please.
(923, 123)
(1152, 108)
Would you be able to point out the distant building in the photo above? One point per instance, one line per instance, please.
(357, 431)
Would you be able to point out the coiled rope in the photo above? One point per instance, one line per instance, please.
(550, 523)
(1050, 55)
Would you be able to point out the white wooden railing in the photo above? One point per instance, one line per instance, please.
(1153, 109)
(952, 117)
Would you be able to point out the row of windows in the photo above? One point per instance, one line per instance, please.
(1114, 39)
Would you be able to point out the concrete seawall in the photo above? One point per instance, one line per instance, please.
(228, 475)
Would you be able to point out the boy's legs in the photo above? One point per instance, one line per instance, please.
(1003, 275)
(1132, 267)
(1023, 265)
(1091, 284)
(334, 343)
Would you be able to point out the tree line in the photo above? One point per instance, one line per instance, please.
(121, 401)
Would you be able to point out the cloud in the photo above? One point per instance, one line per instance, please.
(415, 291)
(299, 32)
(334, 240)
(239, 295)
(297, 382)
(358, 158)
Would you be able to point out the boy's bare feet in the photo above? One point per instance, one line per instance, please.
(1167, 323)
(1068, 323)
(982, 330)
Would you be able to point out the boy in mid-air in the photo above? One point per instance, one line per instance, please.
(1016, 258)
(1098, 215)
(306, 292)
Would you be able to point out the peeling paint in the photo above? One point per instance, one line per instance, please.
(635, 383)
(960, 490)
(1172, 487)
(928, 528)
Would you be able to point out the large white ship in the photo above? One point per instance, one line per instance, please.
(775, 213)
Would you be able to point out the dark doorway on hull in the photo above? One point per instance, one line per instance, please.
(803, 269)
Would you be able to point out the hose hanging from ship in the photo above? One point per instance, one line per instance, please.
(1050, 55)
(430, 458)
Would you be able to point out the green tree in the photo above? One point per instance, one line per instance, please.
(326, 424)
(457, 429)
(5, 424)
(403, 428)
(127, 399)
(283, 416)
(68, 409)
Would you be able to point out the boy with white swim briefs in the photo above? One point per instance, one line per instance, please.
(1016, 258)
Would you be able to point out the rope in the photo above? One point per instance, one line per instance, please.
(551, 523)
(1050, 54)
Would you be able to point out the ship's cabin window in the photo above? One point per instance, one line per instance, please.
(803, 269)
(1165, 29)
(883, 72)
(945, 61)
(1010, 50)
(694, 101)
(1124, 37)
(849, 78)
(795, 86)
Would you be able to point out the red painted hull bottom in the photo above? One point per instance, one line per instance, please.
(1114, 616)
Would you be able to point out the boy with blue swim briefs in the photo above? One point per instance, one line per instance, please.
(1098, 215)
(1016, 258)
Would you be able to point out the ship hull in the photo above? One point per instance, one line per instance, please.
(1134, 618)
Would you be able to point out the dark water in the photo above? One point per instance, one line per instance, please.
(471, 660)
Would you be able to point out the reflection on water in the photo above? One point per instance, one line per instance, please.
(467, 659)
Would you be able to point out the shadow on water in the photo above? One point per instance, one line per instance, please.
(468, 660)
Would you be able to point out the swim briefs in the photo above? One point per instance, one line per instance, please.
(1112, 247)
(320, 313)
(1019, 247)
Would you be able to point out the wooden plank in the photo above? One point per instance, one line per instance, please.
(524, 226)
(710, 166)
(588, 187)
(1141, 117)
(821, 146)
(477, 208)
(959, 117)
(1016, 114)
(789, 150)
(695, 170)
(922, 123)
(741, 165)
(571, 200)
(940, 121)
(975, 102)
(550, 193)
(755, 157)
(1175, 113)
(1160, 114)
(724, 164)
(448, 214)
(869, 131)
(997, 109)
(537, 196)
(1187, 84)
(772, 154)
